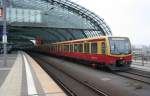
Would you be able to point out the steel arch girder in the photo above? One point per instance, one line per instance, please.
(79, 12)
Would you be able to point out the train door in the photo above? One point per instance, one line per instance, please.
(103, 48)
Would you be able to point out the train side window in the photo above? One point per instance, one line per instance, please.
(75, 47)
(103, 48)
(94, 48)
(56, 47)
(59, 48)
(86, 48)
(66, 48)
(80, 48)
(71, 47)
(49, 47)
(63, 48)
(53, 47)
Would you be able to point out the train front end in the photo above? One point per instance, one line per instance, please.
(119, 53)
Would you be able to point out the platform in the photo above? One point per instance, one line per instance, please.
(22, 76)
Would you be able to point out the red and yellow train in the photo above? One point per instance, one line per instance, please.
(111, 52)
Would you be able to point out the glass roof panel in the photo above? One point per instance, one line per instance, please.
(56, 14)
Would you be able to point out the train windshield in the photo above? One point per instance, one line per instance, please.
(119, 45)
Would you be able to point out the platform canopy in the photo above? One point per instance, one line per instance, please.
(52, 20)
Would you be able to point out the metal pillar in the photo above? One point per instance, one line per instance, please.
(4, 33)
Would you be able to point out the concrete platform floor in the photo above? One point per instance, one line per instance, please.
(22, 76)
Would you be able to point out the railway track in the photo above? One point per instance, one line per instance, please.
(139, 73)
(51, 70)
(136, 75)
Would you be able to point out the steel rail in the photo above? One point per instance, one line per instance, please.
(85, 83)
(135, 77)
(138, 73)
(61, 84)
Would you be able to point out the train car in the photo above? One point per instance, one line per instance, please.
(111, 52)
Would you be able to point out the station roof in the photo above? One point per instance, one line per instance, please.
(53, 20)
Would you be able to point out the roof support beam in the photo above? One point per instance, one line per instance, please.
(67, 30)
(54, 35)
(75, 8)
(54, 32)
(83, 34)
(60, 34)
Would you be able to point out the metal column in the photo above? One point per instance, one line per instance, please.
(4, 32)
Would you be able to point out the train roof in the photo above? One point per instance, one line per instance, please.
(86, 39)
(81, 40)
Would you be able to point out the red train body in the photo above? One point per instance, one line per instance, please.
(111, 52)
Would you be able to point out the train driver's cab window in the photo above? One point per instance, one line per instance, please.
(103, 48)
(94, 48)
(86, 48)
